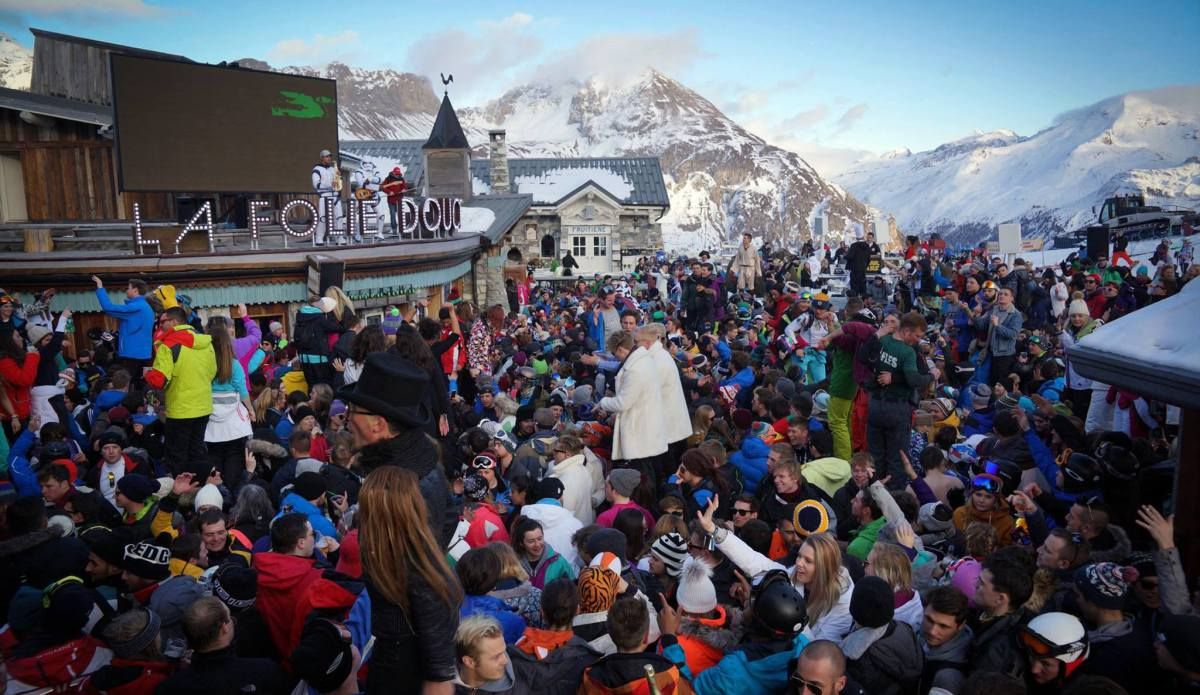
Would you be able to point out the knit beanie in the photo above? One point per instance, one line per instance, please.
(695, 592)
(608, 561)
(785, 387)
(146, 560)
(236, 586)
(981, 396)
(597, 589)
(208, 496)
(810, 517)
(1144, 564)
(475, 487)
(323, 658)
(137, 488)
(624, 480)
(309, 486)
(104, 544)
(1105, 584)
(873, 603)
(742, 419)
(607, 540)
(671, 549)
(1078, 308)
(1007, 402)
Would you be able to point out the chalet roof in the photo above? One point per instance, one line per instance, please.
(447, 133)
(639, 180)
(119, 48)
(55, 107)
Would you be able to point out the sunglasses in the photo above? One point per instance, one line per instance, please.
(676, 512)
(985, 483)
(798, 686)
(742, 512)
(1148, 584)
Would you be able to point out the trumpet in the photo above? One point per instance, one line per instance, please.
(337, 178)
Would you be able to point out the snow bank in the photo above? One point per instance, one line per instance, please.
(476, 220)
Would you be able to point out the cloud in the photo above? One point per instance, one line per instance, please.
(320, 49)
(852, 115)
(618, 58)
(126, 8)
(481, 58)
(806, 119)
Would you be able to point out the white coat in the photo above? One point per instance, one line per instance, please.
(577, 487)
(639, 431)
(676, 422)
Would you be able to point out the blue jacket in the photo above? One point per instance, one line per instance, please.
(19, 471)
(320, 523)
(595, 328)
(979, 422)
(136, 334)
(750, 669)
(751, 460)
(513, 623)
(1052, 389)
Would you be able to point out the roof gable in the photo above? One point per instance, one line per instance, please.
(585, 188)
(631, 180)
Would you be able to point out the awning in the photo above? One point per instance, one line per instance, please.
(1154, 351)
(398, 284)
(202, 295)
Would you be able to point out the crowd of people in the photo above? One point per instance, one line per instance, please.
(693, 477)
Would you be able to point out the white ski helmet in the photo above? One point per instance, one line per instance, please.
(1057, 635)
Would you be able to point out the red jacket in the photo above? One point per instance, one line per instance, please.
(18, 378)
(394, 188)
(128, 677)
(454, 358)
(1095, 304)
(61, 668)
(283, 581)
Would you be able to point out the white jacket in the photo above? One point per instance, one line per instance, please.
(558, 525)
(577, 487)
(671, 399)
(912, 612)
(833, 626)
(640, 430)
(595, 468)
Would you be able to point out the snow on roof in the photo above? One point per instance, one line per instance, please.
(1154, 351)
(551, 186)
(476, 220)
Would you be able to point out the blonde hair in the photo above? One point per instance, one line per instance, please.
(667, 523)
(703, 419)
(473, 630)
(510, 564)
(395, 538)
(344, 304)
(890, 564)
(825, 589)
(264, 402)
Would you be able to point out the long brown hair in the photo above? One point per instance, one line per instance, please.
(218, 329)
(394, 538)
(823, 592)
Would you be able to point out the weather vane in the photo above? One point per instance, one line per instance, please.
(446, 80)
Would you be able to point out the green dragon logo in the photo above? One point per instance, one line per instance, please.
(300, 105)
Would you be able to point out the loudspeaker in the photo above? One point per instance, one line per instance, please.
(1097, 243)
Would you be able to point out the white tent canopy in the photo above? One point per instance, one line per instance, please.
(1154, 351)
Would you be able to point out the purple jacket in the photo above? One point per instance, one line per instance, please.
(245, 345)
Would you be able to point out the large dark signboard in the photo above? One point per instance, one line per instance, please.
(186, 127)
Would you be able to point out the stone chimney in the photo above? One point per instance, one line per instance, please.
(498, 161)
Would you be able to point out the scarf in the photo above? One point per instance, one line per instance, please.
(858, 642)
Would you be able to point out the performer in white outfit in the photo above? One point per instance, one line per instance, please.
(326, 181)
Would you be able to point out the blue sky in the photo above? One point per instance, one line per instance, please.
(825, 77)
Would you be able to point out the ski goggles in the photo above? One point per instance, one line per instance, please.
(805, 296)
(482, 462)
(987, 483)
(1039, 647)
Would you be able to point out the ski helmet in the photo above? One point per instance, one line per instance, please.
(778, 607)
(1080, 473)
(1056, 635)
(963, 455)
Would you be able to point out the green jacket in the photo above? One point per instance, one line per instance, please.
(864, 539)
(184, 367)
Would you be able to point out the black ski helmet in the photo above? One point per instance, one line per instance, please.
(778, 607)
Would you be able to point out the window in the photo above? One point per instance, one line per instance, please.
(599, 246)
(579, 246)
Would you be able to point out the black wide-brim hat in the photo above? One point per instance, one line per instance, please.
(392, 387)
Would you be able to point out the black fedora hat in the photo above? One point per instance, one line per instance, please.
(392, 387)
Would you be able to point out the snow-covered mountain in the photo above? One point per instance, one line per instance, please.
(722, 179)
(1146, 141)
(16, 63)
